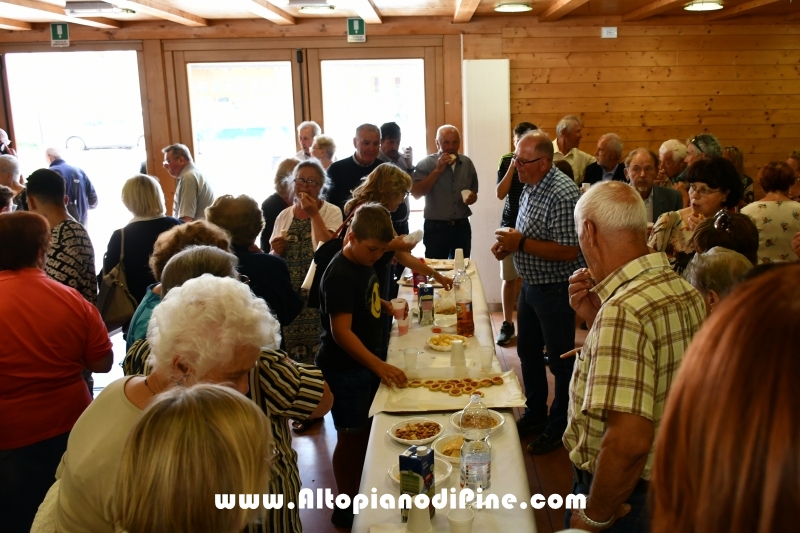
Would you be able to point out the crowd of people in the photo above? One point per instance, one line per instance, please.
(642, 247)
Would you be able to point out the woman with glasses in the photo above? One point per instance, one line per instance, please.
(776, 215)
(298, 231)
(714, 184)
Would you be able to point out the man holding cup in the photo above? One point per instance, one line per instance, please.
(546, 253)
(449, 183)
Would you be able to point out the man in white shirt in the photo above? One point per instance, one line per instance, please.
(306, 132)
(193, 193)
(568, 137)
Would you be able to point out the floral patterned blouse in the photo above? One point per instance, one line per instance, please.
(777, 222)
(679, 239)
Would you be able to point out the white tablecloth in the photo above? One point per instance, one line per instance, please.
(508, 469)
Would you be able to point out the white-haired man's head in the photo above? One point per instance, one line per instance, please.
(448, 139)
(569, 132)
(613, 207)
(52, 154)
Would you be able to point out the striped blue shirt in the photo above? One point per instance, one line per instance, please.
(547, 213)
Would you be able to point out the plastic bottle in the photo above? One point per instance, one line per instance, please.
(476, 452)
(463, 287)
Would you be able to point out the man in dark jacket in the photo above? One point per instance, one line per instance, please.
(80, 191)
(641, 167)
(609, 161)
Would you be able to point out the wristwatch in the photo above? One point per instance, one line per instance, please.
(522, 244)
(594, 523)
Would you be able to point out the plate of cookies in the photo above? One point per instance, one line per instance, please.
(443, 341)
(455, 387)
(415, 431)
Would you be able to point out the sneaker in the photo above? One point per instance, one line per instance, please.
(527, 425)
(546, 443)
(342, 517)
(506, 333)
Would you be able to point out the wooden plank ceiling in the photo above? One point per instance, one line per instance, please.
(18, 15)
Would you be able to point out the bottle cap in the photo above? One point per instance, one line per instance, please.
(422, 450)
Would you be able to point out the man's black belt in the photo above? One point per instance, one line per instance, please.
(457, 222)
(585, 478)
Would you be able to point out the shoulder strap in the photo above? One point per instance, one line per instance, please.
(121, 245)
(346, 221)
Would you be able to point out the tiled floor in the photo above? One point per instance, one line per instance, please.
(547, 474)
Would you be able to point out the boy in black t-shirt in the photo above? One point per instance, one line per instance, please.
(349, 356)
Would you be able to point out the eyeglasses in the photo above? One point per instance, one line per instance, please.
(702, 191)
(722, 220)
(307, 183)
(244, 279)
(521, 162)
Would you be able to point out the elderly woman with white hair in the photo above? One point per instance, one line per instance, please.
(209, 330)
(143, 197)
(715, 272)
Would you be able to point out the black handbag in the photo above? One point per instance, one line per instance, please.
(323, 257)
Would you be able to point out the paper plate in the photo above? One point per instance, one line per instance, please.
(456, 418)
(448, 347)
(408, 442)
(441, 442)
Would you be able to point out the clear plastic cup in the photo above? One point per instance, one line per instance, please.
(460, 520)
(399, 308)
(487, 356)
(410, 356)
(402, 325)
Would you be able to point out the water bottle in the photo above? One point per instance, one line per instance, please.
(476, 452)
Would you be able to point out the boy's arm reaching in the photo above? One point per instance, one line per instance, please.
(341, 324)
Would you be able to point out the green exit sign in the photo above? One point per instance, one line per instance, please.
(356, 31)
(59, 34)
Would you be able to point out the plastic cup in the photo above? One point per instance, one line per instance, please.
(410, 355)
(465, 194)
(585, 186)
(284, 233)
(460, 520)
(457, 354)
(487, 355)
(402, 325)
(398, 308)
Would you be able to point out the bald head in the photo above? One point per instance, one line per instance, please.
(448, 139)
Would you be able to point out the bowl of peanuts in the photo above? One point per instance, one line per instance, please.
(415, 431)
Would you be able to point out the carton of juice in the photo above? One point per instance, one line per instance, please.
(416, 475)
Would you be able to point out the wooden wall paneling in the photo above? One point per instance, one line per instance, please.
(668, 58)
(94, 46)
(587, 28)
(452, 80)
(706, 43)
(715, 73)
(184, 104)
(709, 119)
(576, 105)
(152, 83)
(172, 96)
(314, 85)
(431, 98)
(483, 46)
(646, 89)
(224, 56)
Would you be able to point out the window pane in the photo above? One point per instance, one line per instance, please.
(89, 106)
(243, 123)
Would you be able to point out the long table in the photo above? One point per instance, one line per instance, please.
(508, 467)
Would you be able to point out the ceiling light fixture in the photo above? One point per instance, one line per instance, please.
(317, 9)
(704, 5)
(93, 8)
(512, 8)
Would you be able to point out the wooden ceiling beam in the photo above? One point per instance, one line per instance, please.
(650, 10)
(161, 11)
(266, 10)
(740, 9)
(14, 25)
(57, 14)
(465, 9)
(559, 9)
(366, 11)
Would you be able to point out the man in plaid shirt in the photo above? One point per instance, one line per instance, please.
(546, 253)
(642, 317)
